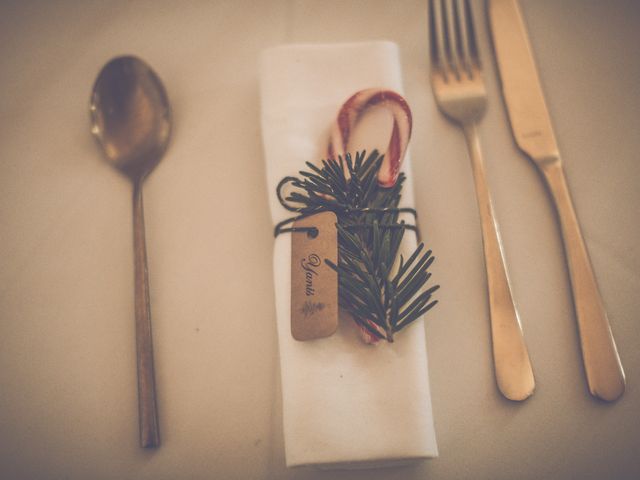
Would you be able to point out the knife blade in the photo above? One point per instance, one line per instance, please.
(533, 133)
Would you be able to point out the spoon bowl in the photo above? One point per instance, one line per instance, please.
(130, 116)
(131, 120)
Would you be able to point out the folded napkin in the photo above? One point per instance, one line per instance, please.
(345, 403)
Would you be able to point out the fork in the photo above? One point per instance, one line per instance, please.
(456, 80)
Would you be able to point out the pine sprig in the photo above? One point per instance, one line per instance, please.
(381, 300)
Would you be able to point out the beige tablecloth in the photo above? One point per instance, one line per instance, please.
(67, 367)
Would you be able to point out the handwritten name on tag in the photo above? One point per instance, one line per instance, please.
(314, 285)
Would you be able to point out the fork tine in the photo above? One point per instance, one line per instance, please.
(458, 30)
(452, 35)
(439, 39)
(434, 45)
(463, 24)
(471, 34)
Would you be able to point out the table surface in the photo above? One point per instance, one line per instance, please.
(68, 405)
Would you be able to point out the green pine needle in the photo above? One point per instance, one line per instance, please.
(368, 243)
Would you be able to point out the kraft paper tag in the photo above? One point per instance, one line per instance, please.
(314, 285)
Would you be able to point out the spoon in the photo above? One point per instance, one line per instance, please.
(131, 120)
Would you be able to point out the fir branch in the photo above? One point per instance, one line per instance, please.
(369, 238)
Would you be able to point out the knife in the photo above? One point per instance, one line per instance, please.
(531, 126)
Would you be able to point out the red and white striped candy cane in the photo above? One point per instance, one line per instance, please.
(353, 109)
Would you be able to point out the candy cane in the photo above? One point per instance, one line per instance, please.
(353, 109)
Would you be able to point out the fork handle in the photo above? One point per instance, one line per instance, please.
(513, 371)
(605, 375)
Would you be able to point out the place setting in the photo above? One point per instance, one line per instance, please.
(355, 306)
(348, 252)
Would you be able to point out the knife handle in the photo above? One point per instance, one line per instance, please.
(513, 371)
(605, 375)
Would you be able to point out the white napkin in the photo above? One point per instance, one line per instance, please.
(345, 404)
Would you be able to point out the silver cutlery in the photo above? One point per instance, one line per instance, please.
(533, 132)
(131, 120)
(458, 86)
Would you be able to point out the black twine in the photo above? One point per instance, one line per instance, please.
(313, 231)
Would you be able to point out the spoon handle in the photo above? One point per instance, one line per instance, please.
(147, 409)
